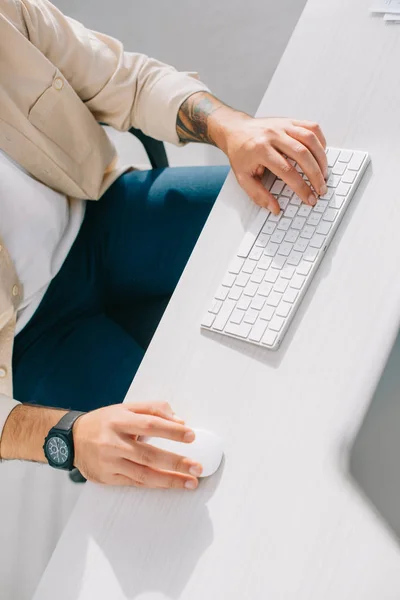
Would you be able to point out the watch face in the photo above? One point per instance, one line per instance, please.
(57, 450)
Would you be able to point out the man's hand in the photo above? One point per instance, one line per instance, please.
(254, 145)
(107, 448)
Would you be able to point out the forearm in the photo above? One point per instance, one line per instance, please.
(205, 119)
(25, 430)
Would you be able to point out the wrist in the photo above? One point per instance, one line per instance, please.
(222, 123)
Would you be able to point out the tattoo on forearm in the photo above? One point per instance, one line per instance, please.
(192, 122)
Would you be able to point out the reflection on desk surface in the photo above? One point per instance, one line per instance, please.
(375, 456)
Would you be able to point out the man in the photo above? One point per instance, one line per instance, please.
(83, 285)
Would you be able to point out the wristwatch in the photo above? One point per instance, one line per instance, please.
(59, 443)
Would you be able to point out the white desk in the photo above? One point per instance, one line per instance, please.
(283, 519)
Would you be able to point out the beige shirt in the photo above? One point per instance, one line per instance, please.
(57, 81)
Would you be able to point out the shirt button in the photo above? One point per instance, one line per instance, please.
(1, 247)
(58, 83)
(15, 290)
(3, 372)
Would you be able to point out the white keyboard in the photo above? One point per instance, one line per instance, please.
(279, 256)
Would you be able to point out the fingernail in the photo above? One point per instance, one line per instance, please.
(189, 436)
(191, 485)
(323, 190)
(196, 470)
(312, 199)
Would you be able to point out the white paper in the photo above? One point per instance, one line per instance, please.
(385, 6)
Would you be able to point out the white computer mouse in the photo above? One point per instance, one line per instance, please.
(206, 449)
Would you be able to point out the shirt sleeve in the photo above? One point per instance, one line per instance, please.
(7, 404)
(120, 88)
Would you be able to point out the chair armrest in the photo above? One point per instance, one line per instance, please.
(154, 148)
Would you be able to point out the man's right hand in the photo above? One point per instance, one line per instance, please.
(107, 448)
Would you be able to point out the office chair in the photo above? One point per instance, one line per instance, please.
(155, 150)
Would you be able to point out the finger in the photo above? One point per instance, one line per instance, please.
(310, 140)
(257, 192)
(285, 171)
(301, 154)
(149, 456)
(150, 478)
(157, 409)
(148, 425)
(315, 128)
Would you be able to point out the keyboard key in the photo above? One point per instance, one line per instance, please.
(304, 211)
(291, 236)
(290, 212)
(339, 169)
(267, 312)
(228, 280)
(336, 202)
(262, 240)
(290, 295)
(287, 191)
(304, 268)
(345, 156)
(330, 214)
(257, 276)
(256, 253)
(235, 292)
(252, 233)
(324, 228)
(294, 258)
(274, 298)
(295, 201)
(281, 285)
(321, 206)
(307, 232)
(276, 323)
(283, 202)
(258, 331)
(277, 237)
(208, 320)
(241, 330)
(310, 254)
(314, 219)
(297, 282)
(284, 224)
(237, 316)
(271, 275)
(258, 302)
(244, 303)
(317, 241)
(249, 266)
(298, 223)
(342, 189)
(283, 309)
(269, 338)
(242, 279)
(251, 316)
(333, 181)
(224, 314)
(269, 228)
(300, 245)
(328, 194)
(356, 161)
(236, 265)
(271, 249)
(250, 289)
(277, 187)
(332, 156)
(285, 249)
(265, 289)
(288, 272)
(349, 177)
(264, 262)
(278, 261)
(275, 218)
(215, 306)
(222, 293)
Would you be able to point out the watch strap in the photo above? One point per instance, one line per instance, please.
(67, 421)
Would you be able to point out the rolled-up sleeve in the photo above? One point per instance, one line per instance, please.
(7, 404)
(122, 89)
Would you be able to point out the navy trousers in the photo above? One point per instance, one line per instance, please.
(85, 342)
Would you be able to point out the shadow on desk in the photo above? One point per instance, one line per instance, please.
(139, 542)
(375, 455)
